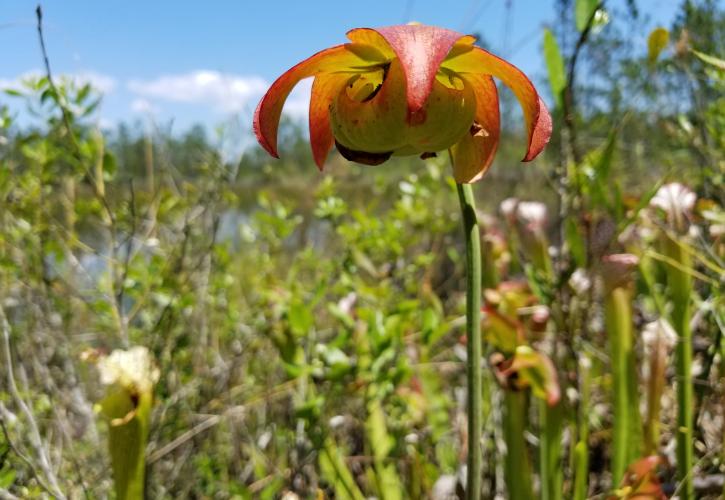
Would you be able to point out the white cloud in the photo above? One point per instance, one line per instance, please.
(298, 102)
(219, 93)
(144, 106)
(101, 83)
(106, 124)
(223, 92)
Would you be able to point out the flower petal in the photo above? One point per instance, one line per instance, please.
(324, 89)
(374, 125)
(363, 157)
(421, 50)
(641, 480)
(339, 59)
(536, 370)
(448, 114)
(369, 36)
(474, 153)
(379, 123)
(538, 120)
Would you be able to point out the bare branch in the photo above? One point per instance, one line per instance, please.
(34, 434)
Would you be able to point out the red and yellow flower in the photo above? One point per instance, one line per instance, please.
(406, 90)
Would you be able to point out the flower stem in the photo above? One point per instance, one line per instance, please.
(627, 424)
(551, 471)
(655, 388)
(517, 468)
(679, 284)
(473, 328)
(581, 450)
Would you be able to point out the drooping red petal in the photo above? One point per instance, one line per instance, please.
(536, 370)
(338, 59)
(474, 153)
(324, 89)
(538, 120)
(641, 481)
(420, 49)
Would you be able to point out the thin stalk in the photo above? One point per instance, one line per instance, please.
(332, 460)
(581, 450)
(550, 418)
(722, 375)
(490, 276)
(655, 387)
(551, 471)
(679, 284)
(517, 469)
(627, 424)
(473, 328)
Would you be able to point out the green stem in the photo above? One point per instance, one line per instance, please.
(581, 450)
(627, 433)
(552, 474)
(517, 469)
(473, 328)
(679, 284)
(655, 387)
(332, 461)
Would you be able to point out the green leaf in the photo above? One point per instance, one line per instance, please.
(597, 167)
(310, 409)
(90, 108)
(581, 465)
(575, 242)
(555, 66)
(711, 60)
(382, 443)
(431, 327)
(656, 43)
(335, 471)
(342, 316)
(272, 490)
(337, 362)
(583, 10)
(300, 318)
(603, 164)
(7, 478)
(110, 166)
(643, 202)
(82, 94)
(48, 93)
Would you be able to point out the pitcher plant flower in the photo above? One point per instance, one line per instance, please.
(415, 90)
(618, 276)
(129, 377)
(677, 202)
(406, 90)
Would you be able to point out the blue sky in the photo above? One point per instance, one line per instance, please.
(210, 62)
